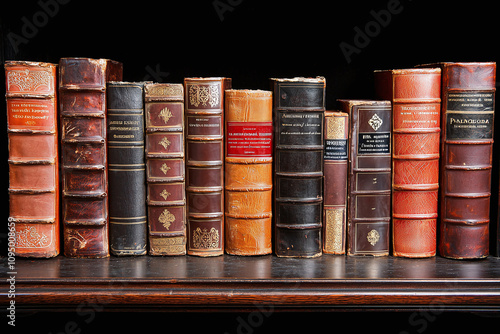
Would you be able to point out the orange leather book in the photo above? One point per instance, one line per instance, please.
(33, 157)
(416, 103)
(248, 175)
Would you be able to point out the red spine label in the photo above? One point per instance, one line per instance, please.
(249, 139)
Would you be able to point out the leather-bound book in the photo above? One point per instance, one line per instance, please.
(248, 172)
(335, 182)
(468, 105)
(126, 168)
(33, 157)
(298, 112)
(166, 198)
(82, 95)
(416, 103)
(204, 102)
(369, 178)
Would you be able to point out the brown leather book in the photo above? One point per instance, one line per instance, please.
(248, 172)
(416, 103)
(298, 115)
(82, 90)
(335, 182)
(33, 158)
(369, 177)
(166, 197)
(468, 106)
(204, 113)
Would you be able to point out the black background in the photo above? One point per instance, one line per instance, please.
(251, 41)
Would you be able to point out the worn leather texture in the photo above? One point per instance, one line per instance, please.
(82, 90)
(248, 172)
(335, 182)
(416, 103)
(126, 168)
(369, 177)
(204, 114)
(166, 198)
(33, 158)
(468, 94)
(298, 115)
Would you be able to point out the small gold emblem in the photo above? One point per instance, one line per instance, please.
(165, 115)
(165, 194)
(373, 237)
(164, 168)
(166, 218)
(205, 239)
(375, 122)
(164, 142)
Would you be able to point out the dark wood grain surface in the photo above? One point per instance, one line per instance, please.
(231, 282)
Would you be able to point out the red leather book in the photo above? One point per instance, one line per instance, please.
(204, 113)
(336, 134)
(33, 157)
(166, 197)
(416, 103)
(248, 171)
(82, 90)
(369, 177)
(468, 105)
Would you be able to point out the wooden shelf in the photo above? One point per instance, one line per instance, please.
(230, 282)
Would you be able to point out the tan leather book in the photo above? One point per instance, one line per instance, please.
(204, 119)
(335, 182)
(166, 197)
(248, 172)
(33, 158)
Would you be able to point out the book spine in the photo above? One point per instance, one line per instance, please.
(166, 197)
(416, 103)
(204, 109)
(126, 168)
(335, 182)
(82, 90)
(369, 177)
(248, 172)
(298, 112)
(33, 158)
(468, 95)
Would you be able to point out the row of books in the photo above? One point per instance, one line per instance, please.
(200, 168)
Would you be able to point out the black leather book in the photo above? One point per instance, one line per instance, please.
(126, 169)
(298, 113)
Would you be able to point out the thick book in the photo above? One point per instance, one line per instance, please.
(335, 182)
(416, 101)
(33, 158)
(166, 198)
(204, 114)
(369, 177)
(82, 96)
(298, 112)
(126, 168)
(467, 111)
(248, 172)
